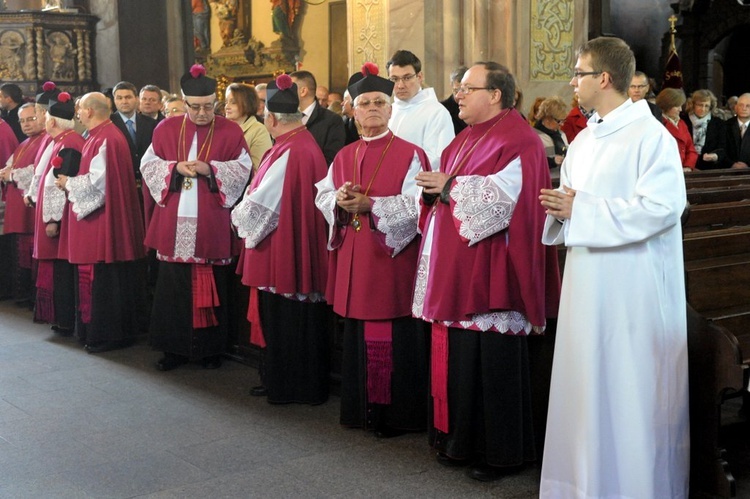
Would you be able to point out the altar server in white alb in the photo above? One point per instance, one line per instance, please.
(618, 412)
(417, 115)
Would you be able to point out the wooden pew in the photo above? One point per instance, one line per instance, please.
(718, 194)
(714, 216)
(714, 372)
(717, 282)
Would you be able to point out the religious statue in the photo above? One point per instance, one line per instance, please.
(201, 15)
(226, 11)
(52, 5)
(61, 54)
(284, 13)
(10, 56)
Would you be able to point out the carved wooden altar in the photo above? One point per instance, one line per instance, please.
(39, 46)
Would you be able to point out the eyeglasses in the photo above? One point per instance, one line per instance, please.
(27, 120)
(580, 74)
(405, 78)
(209, 107)
(561, 122)
(468, 89)
(638, 87)
(366, 103)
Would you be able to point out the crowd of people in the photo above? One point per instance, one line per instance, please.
(426, 230)
(708, 136)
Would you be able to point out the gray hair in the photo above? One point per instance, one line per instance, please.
(62, 123)
(286, 118)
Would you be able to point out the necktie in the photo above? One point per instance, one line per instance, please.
(131, 129)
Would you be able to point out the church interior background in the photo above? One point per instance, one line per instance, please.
(92, 44)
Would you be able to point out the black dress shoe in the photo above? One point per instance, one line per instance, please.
(107, 346)
(170, 361)
(486, 473)
(388, 432)
(212, 362)
(259, 391)
(450, 462)
(63, 331)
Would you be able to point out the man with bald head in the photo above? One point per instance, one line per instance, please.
(104, 234)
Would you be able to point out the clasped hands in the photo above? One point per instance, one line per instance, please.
(193, 168)
(61, 182)
(558, 204)
(350, 199)
(5, 174)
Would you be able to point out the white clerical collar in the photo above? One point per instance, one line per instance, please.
(368, 139)
(307, 112)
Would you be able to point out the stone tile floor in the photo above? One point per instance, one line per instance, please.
(74, 425)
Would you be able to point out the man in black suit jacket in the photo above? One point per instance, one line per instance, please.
(738, 143)
(325, 126)
(139, 139)
(638, 90)
(150, 102)
(11, 98)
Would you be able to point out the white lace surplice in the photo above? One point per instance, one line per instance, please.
(257, 215)
(483, 207)
(86, 192)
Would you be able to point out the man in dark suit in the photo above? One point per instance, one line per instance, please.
(11, 99)
(150, 102)
(138, 130)
(136, 127)
(738, 140)
(638, 90)
(325, 125)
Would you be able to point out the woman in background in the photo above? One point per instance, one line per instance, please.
(240, 106)
(670, 101)
(549, 119)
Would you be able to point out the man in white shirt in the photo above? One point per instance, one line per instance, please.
(418, 116)
(326, 126)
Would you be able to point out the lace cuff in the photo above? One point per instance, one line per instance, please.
(232, 178)
(396, 218)
(481, 208)
(33, 189)
(22, 177)
(53, 206)
(84, 197)
(254, 222)
(156, 175)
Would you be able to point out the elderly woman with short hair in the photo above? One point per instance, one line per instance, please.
(550, 117)
(708, 131)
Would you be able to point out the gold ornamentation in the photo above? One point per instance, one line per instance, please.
(187, 183)
(551, 40)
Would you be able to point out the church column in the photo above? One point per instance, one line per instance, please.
(368, 32)
(175, 42)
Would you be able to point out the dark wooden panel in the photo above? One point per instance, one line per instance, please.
(143, 42)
